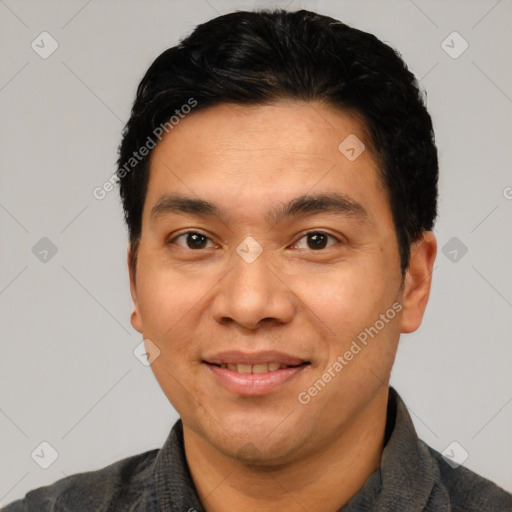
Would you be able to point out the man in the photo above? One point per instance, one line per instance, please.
(279, 181)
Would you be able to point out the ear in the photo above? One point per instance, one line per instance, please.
(136, 319)
(418, 280)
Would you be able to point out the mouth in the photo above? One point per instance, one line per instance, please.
(254, 374)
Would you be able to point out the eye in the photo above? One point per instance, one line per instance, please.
(193, 240)
(316, 240)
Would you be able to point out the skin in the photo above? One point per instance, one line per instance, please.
(272, 452)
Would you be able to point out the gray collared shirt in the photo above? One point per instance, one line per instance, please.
(412, 477)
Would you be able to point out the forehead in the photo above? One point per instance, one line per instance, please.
(234, 153)
(296, 129)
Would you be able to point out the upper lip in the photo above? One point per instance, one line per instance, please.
(252, 358)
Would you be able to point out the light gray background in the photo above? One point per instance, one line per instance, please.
(68, 374)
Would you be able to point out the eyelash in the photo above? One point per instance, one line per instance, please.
(171, 241)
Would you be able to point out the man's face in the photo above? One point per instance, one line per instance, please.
(324, 276)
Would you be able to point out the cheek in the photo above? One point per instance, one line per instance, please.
(343, 298)
(166, 300)
(344, 304)
(166, 304)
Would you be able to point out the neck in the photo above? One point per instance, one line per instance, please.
(321, 481)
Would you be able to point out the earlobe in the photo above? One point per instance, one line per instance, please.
(418, 280)
(135, 318)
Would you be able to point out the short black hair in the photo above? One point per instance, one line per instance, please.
(260, 57)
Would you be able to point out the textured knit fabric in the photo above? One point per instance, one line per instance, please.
(412, 477)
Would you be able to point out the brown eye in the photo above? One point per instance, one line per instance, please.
(193, 240)
(316, 240)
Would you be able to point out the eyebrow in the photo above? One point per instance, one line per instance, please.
(333, 203)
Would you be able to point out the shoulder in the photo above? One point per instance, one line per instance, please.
(93, 490)
(468, 491)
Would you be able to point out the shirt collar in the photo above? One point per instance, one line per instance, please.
(173, 488)
(406, 475)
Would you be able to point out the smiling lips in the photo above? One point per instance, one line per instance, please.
(254, 374)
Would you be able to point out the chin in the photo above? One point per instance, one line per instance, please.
(256, 442)
(261, 453)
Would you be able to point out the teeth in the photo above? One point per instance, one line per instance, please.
(255, 368)
(243, 368)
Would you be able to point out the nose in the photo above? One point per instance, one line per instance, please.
(253, 294)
